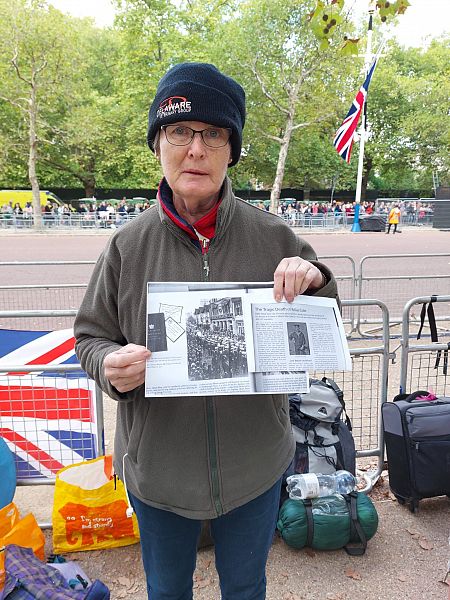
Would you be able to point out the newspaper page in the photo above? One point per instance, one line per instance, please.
(202, 338)
(305, 335)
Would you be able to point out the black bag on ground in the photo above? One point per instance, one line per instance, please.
(324, 442)
(417, 437)
(373, 223)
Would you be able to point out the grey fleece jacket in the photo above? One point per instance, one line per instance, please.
(199, 457)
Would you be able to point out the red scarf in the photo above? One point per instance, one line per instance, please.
(205, 226)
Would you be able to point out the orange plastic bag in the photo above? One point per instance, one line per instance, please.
(89, 510)
(22, 532)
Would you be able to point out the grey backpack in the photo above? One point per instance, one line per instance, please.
(324, 442)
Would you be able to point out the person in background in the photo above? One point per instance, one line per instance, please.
(122, 212)
(9, 209)
(369, 208)
(338, 213)
(393, 218)
(28, 210)
(190, 458)
(49, 214)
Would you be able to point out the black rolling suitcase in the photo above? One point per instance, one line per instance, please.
(417, 437)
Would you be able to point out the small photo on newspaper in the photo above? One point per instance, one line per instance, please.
(203, 340)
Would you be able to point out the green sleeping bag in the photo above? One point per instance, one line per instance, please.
(331, 524)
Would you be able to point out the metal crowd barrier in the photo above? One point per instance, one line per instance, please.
(52, 420)
(38, 294)
(365, 390)
(90, 221)
(53, 296)
(21, 399)
(395, 289)
(25, 398)
(418, 360)
(343, 268)
(296, 218)
(328, 221)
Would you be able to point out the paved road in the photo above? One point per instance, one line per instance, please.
(26, 247)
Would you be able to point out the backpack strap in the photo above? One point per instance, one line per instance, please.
(432, 319)
(433, 332)
(438, 359)
(309, 521)
(433, 329)
(340, 394)
(422, 319)
(445, 365)
(357, 548)
(427, 308)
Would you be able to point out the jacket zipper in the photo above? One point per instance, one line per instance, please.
(204, 244)
(210, 418)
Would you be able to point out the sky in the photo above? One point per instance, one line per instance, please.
(423, 20)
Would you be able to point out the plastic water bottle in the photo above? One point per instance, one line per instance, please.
(315, 485)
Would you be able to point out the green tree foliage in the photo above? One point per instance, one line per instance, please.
(290, 81)
(94, 86)
(328, 15)
(86, 144)
(408, 118)
(41, 71)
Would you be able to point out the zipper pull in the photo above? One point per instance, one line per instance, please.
(417, 446)
(206, 266)
(204, 241)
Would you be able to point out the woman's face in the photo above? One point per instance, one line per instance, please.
(194, 172)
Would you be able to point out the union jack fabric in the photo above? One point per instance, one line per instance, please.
(47, 418)
(343, 140)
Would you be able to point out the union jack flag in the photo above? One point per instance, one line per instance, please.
(343, 140)
(47, 418)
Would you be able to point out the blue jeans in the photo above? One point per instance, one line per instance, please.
(242, 540)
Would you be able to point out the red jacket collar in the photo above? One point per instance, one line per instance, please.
(206, 225)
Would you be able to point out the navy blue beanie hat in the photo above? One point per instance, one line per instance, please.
(199, 92)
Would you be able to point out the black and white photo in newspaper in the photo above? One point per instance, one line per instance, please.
(206, 345)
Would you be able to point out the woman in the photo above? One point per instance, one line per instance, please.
(188, 459)
(394, 218)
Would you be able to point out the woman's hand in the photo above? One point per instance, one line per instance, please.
(125, 368)
(294, 276)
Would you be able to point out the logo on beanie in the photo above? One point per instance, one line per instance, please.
(173, 106)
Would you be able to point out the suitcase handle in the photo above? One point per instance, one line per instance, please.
(411, 397)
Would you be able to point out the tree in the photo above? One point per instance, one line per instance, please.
(39, 61)
(85, 145)
(290, 82)
(408, 117)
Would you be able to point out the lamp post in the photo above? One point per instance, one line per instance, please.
(363, 128)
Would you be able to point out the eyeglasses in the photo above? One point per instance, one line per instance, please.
(181, 135)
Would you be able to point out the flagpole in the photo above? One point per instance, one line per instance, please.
(362, 130)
